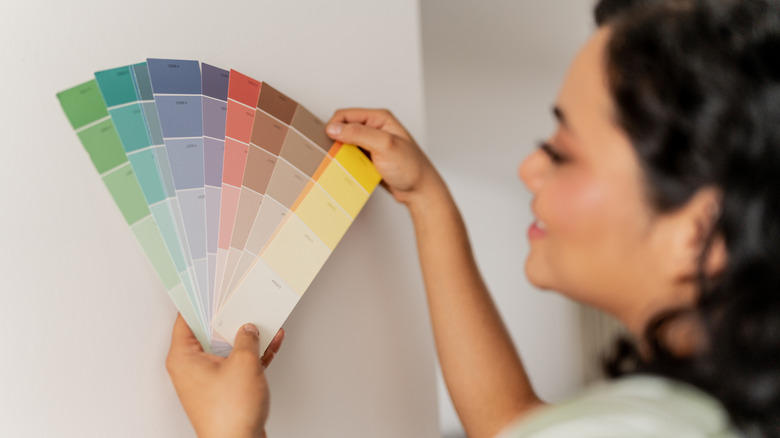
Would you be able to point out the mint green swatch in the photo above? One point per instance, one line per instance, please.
(127, 194)
(145, 166)
(151, 241)
(187, 309)
(167, 224)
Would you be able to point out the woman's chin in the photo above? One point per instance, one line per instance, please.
(535, 274)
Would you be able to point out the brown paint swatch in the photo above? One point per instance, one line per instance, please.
(268, 133)
(259, 168)
(248, 201)
(276, 104)
(309, 125)
(301, 154)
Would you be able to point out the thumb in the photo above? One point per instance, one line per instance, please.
(248, 338)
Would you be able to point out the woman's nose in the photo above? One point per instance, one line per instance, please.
(530, 170)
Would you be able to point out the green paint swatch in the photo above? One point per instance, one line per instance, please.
(83, 104)
(151, 241)
(166, 223)
(127, 194)
(103, 145)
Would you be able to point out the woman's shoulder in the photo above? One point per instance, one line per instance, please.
(637, 406)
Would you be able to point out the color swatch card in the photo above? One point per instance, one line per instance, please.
(232, 188)
(280, 162)
(177, 86)
(243, 93)
(87, 112)
(122, 93)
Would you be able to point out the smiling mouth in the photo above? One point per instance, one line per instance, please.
(537, 230)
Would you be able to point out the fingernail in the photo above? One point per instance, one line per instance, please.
(334, 128)
(251, 329)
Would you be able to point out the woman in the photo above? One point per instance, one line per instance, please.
(657, 200)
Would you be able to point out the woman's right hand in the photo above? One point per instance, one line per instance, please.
(406, 172)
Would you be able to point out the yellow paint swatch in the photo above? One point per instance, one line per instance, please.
(296, 254)
(358, 164)
(320, 213)
(343, 188)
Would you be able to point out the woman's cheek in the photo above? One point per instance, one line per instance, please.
(580, 209)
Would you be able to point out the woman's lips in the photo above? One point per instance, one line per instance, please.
(537, 230)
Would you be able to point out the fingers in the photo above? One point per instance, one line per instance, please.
(273, 348)
(373, 118)
(248, 339)
(378, 119)
(372, 139)
(183, 342)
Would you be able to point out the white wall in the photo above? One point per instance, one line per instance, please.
(86, 323)
(492, 71)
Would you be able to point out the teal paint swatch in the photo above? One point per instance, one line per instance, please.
(143, 82)
(116, 86)
(145, 166)
(131, 125)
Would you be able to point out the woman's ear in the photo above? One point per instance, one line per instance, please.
(694, 225)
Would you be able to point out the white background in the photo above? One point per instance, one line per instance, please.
(86, 323)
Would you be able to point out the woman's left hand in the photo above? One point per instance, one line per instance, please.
(222, 396)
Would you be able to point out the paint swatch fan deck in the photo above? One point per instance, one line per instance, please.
(232, 189)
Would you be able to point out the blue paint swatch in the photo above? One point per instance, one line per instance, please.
(186, 158)
(174, 76)
(180, 116)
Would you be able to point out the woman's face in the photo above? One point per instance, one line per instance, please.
(596, 238)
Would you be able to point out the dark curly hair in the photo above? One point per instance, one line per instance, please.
(696, 86)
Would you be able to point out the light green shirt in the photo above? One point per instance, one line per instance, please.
(631, 407)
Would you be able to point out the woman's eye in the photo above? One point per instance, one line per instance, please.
(555, 156)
